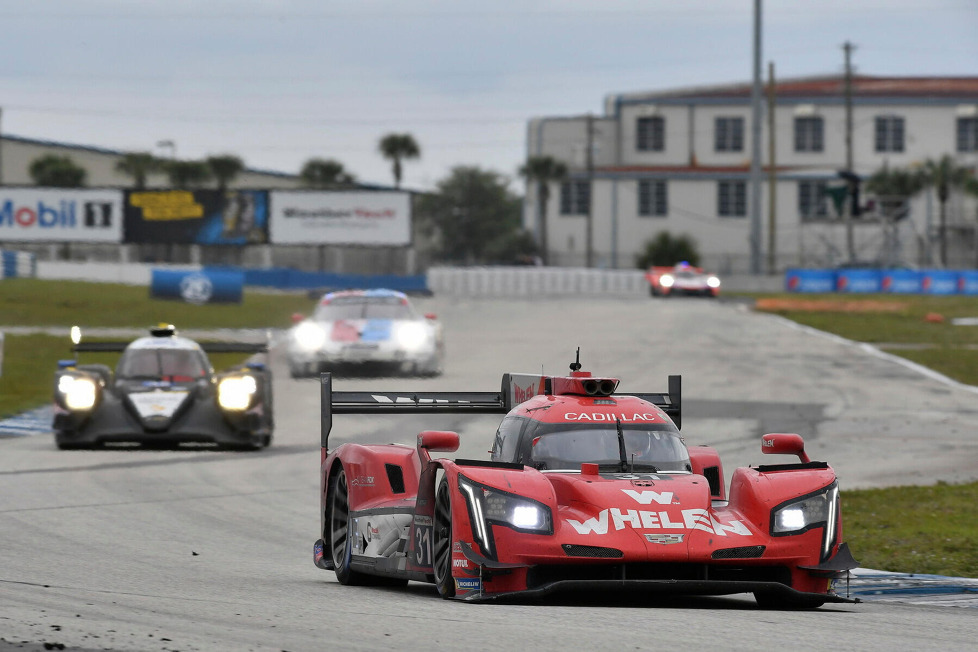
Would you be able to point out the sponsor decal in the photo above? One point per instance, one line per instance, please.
(457, 546)
(425, 520)
(196, 288)
(769, 443)
(522, 394)
(412, 399)
(168, 205)
(362, 481)
(609, 416)
(468, 584)
(460, 563)
(317, 551)
(647, 497)
(688, 519)
(157, 403)
(664, 539)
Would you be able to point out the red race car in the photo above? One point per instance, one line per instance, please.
(682, 279)
(585, 489)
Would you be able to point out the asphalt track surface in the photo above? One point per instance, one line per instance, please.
(127, 549)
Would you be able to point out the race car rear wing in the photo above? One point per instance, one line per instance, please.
(516, 388)
(209, 347)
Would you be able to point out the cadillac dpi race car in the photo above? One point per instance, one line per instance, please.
(165, 392)
(682, 279)
(366, 328)
(586, 489)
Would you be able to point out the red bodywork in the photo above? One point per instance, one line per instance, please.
(516, 530)
(682, 279)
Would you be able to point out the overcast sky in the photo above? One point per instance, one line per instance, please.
(280, 81)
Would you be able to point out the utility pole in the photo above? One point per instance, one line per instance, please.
(755, 162)
(850, 246)
(772, 175)
(589, 164)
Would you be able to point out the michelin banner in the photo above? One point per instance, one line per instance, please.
(207, 217)
(60, 215)
(340, 218)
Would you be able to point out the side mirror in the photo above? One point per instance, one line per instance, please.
(784, 443)
(438, 440)
(297, 317)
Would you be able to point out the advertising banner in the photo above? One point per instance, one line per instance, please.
(204, 286)
(206, 217)
(809, 280)
(347, 218)
(60, 215)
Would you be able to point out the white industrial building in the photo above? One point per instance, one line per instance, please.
(679, 161)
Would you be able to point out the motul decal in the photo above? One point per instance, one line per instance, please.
(609, 416)
(691, 519)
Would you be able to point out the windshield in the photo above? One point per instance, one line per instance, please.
(364, 308)
(645, 450)
(168, 364)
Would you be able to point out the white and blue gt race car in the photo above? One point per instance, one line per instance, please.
(366, 329)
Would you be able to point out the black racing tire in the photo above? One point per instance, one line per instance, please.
(774, 602)
(441, 540)
(339, 542)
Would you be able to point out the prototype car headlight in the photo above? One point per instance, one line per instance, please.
(667, 281)
(488, 505)
(235, 393)
(802, 514)
(309, 336)
(79, 393)
(411, 336)
(713, 282)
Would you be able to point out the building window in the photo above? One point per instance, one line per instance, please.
(968, 134)
(650, 134)
(808, 134)
(812, 200)
(889, 133)
(652, 199)
(729, 135)
(575, 197)
(732, 198)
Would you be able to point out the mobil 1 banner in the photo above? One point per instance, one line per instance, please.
(207, 217)
(59, 215)
(347, 218)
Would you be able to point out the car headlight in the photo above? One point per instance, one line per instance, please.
(488, 505)
(666, 281)
(411, 336)
(713, 282)
(309, 336)
(79, 393)
(235, 393)
(802, 514)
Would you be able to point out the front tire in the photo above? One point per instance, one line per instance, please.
(442, 542)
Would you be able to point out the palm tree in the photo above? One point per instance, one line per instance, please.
(57, 172)
(396, 148)
(894, 187)
(543, 170)
(187, 174)
(224, 168)
(325, 173)
(138, 165)
(943, 175)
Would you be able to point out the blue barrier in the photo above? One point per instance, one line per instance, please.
(204, 286)
(940, 281)
(859, 280)
(809, 280)
(968, 282)
(902, 281)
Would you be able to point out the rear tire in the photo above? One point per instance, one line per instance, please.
(442, 542)
(339, 541)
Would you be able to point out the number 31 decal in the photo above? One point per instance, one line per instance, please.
(422, 544)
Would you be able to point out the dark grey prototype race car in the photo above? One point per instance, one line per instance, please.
(164, 392)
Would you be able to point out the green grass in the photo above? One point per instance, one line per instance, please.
(914, 529)
(946, 348)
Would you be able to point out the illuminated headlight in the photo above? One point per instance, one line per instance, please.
(800, 515)
(666, 281)
(309, 336)
(78, 393)
(713, 282)
(488, 505)
(411, 336)
(235, 393)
